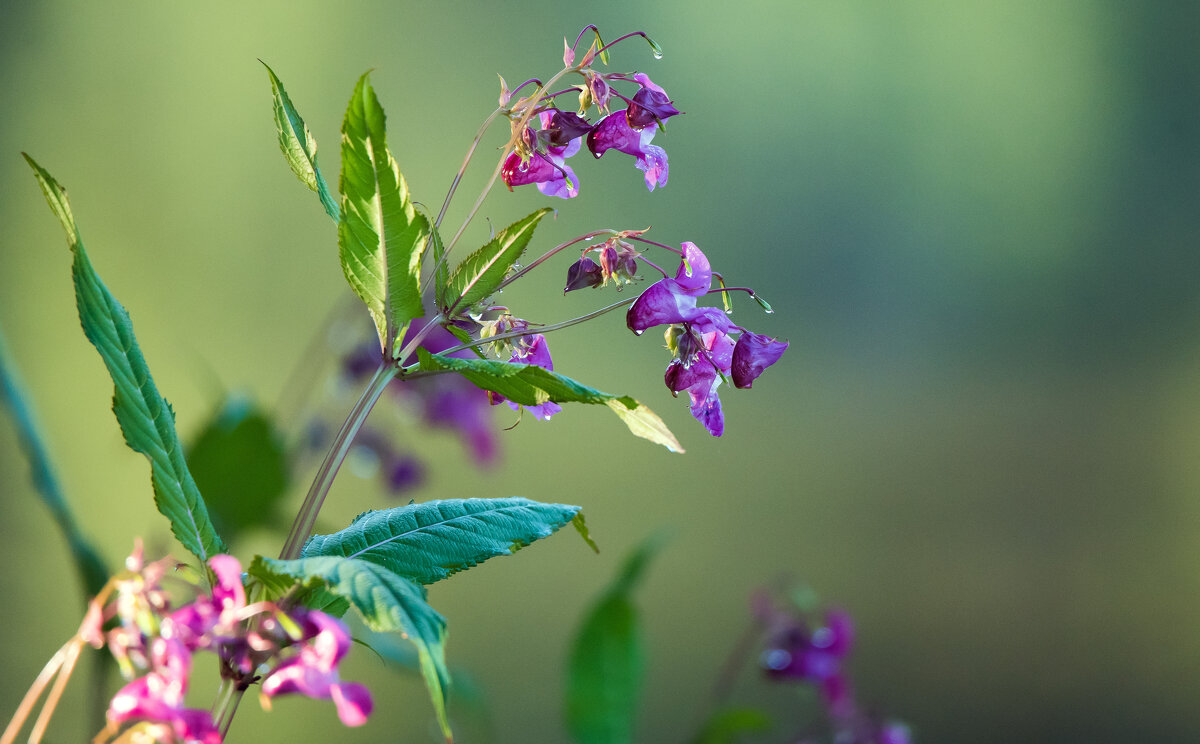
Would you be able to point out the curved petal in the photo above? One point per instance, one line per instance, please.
(353, 702)
(752, 355)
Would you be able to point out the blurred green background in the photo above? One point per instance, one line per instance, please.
(978, 224)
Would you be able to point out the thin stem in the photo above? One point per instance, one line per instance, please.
(470, 151)
(676, 251)
(228, 698)
(518, 130)
(411, 347)
(60, 684)
(548, 254)
(35, 691)
(623, 38)
(542, 329)
(522, 85)
(307, 516)
(589, 27)
(747, 290)
(650, 263)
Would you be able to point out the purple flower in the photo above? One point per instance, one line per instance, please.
(614, 133)
(752, 355)
(549, 169)
(313, 671)
(158, 697)
(531, 349)
(650, 105)
(701, 338)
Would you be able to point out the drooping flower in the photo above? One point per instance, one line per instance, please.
(559, 138)
(158, 697)
(531, 349)
(650, 105)
(613, 132)
(701, 338)
(313, 671)
(584, 273)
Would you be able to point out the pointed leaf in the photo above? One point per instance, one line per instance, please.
(481, 272)
(530, 385)
(430, 541)
(387, 602)
(298, 145)
(146, 419)
(604, 673)
(381, 237)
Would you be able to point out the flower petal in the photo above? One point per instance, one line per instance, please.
(752, 355)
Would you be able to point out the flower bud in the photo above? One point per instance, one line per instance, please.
(584, 273)
(649, 107)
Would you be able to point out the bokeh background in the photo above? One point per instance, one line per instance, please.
(978, 223)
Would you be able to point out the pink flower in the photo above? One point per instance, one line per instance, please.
(313, 671)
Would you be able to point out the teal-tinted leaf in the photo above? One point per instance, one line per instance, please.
(531, 385)
(387, 602)
(298, 145)
(240, 464)
(381, 237)
(310, 593)
(604, 673)
(481, 272)
(727, 726)
(430, 541)
(88, 562)
(146, 420)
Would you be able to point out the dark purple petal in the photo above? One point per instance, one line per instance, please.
(649, 107)
(706, 408)
(584, 273)
(614, 133)
(537, 169)
(666, 302)
(565, 127)
(752, 355)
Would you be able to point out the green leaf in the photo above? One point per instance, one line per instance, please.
(240, 464)
(298, 145)
(310, 593)
(430, 541)
(88, 562)
(481, 272)
(725, 726)
(146, 419)
(530, 385)
(604, 673)
(381, 236)
(387, 602)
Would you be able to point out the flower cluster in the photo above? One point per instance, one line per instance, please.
(701, 339)
(618, 264)
(525, 348)
(292, 650)
(801, 648)
(540, 155)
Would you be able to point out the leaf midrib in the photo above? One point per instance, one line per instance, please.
(513, 507)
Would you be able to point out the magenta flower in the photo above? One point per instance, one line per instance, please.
(614, 133)
(548, 169)
(313, 671)
(701, 338)
(158, 697)
(584, 273)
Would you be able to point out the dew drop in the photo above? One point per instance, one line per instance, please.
(776, 659)
(769, 311)
(822, 638)
(638, 333)
(657, 53)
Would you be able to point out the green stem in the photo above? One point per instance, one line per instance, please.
(548, 254)
(542, 329)
(229, 695)
(307, 516)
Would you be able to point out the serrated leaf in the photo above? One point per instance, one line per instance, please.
(430, 541)
(381, 236)
(240, 464)
(481, 272)
(530, 385)
(604, 673)
(146, 419)
(386, 602)
(298, 145)
(88, 562)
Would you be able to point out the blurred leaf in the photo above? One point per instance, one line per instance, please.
(381, 237)
(430, 541)
(88, 562)
(481, 272)
(298, 145)
(240, 464)
(726, 726)
(581, 527)
(146, 419)
(530, 385)
(604, 675)
(387, 602)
